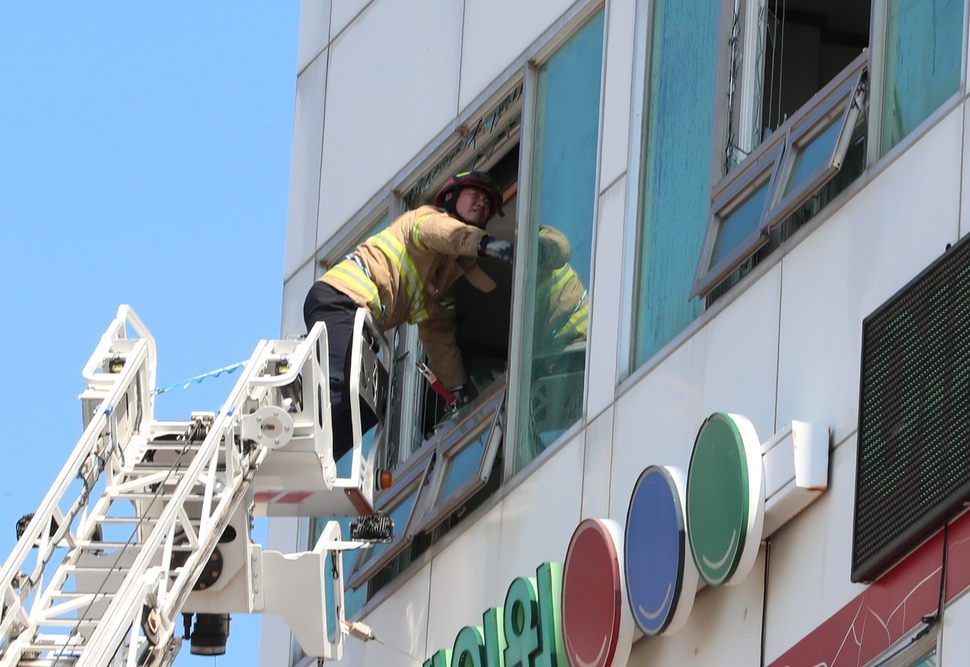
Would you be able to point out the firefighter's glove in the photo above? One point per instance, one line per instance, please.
(461, 396)
(498, 248)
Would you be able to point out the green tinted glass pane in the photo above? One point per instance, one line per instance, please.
(924, 47)
(560, 229)
(928, 660)
(815, 153)
(739, 224)
(676, 169)
(462, 467)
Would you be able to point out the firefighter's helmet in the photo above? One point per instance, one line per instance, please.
(482, 180)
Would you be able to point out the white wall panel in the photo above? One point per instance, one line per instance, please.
(540, 515)
(742, 356)
(875, 244)
(965, 209)
(811, 559)
(392, 86)
(301, 217)
(605, 301)
(724, 628)
(343, 12)
(495, 33)
(401, 622)
(314, 31)
(354, 651)
(472, 559)
(617, 90)
(657, 420)
(956, 639)
(294, 293)
(597, 469)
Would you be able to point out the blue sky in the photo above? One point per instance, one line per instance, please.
(144, 159)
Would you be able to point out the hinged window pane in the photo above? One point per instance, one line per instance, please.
(464, 457)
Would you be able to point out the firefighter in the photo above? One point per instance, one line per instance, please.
(407, 273)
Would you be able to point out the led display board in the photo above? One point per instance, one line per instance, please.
(913, 457)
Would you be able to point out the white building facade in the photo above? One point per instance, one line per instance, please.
(729, 189)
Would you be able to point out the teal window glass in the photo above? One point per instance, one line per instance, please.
(739, 224)
(463, 466)
(560, 230)
(814, 154)
(676, 169)
(924, 48)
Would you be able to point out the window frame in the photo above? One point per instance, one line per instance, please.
(911, 647)
(488, 410)
(839, 104)
(412, 477)
(520, 350)
(837, 99)
(728, 196)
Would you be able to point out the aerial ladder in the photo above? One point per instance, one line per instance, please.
(150, 520)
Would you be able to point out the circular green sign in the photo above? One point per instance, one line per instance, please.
(725, 498)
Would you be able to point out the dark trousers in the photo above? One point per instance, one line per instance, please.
(324, 303)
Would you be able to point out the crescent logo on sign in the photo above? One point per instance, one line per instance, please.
(660, 576)
(596, 631)
(725, 498)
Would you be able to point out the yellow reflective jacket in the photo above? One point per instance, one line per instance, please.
(562, 302)
(407, 273)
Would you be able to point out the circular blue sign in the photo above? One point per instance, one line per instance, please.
(660, 576)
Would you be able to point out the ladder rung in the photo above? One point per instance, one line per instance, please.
(145, 468)
(126, 520)
(169, 446)
(69, 622)
(86, 569)
(143, 495)
(55, 643)
(73, 595)
(95, 545)
(63, 661)
(105, 546)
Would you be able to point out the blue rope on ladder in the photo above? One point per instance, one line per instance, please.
(184, 384)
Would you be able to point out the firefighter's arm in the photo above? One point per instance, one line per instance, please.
(438, 337)
(439, 232)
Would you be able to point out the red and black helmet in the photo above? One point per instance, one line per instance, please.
(470, 179)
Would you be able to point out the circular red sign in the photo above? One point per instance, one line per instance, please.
(591, 596)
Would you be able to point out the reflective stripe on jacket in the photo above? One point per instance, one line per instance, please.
(407, 272)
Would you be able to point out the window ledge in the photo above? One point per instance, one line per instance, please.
(945, 109)
(732, 295)
(473, 517)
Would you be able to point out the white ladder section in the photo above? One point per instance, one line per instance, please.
(150, 519)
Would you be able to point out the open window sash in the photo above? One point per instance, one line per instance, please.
(818, 140)
(736, 226)
(780, 175)
(464, 457)
(399, 502)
